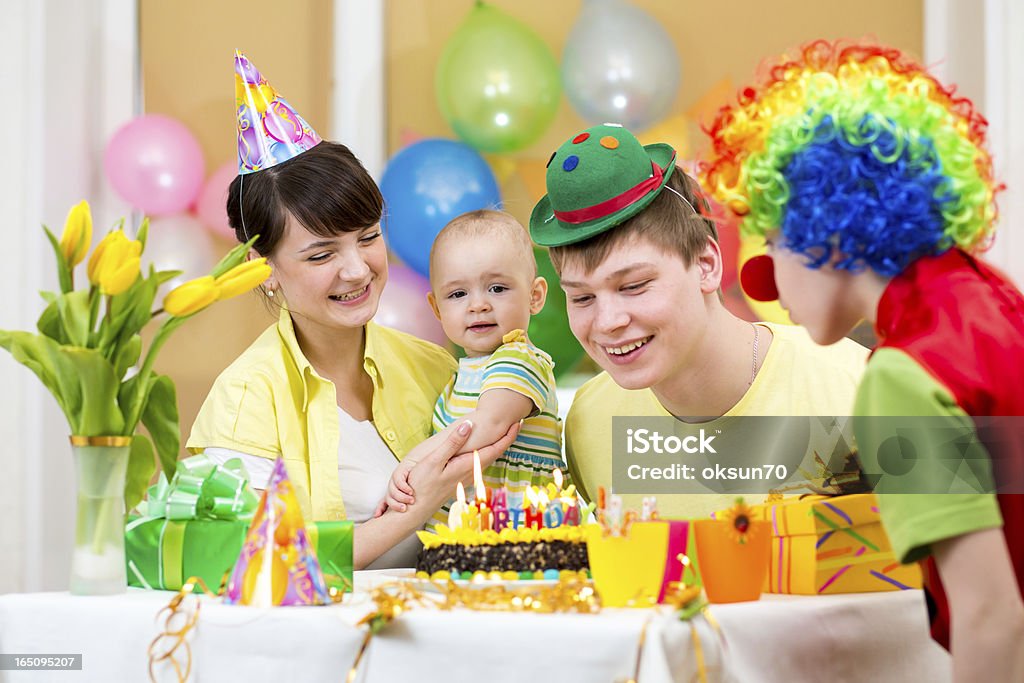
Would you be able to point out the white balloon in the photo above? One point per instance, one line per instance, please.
(179, 242)
(620, 65)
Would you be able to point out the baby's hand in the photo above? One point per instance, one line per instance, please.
(400, 491)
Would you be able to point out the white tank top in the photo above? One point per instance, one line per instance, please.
(365, 465)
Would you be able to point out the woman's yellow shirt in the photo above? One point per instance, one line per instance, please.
(270, 402)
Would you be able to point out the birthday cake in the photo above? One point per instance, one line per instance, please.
(524, 553)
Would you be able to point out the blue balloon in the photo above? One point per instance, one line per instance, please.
(426, 185)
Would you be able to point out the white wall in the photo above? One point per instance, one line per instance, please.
(72, 64)
(358, 113)
(978, 46)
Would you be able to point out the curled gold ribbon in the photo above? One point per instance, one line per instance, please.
(394, 598)
(173, 638)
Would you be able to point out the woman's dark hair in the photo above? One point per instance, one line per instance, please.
(325, 188)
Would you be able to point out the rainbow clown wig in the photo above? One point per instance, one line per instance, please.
(855, 149)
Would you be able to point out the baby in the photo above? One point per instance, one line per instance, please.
(484, 288)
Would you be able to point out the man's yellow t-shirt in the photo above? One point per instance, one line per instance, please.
(797, 377)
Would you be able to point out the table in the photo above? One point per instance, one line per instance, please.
(865, 637)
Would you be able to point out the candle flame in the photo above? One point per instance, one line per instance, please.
(460, 493)
(478, 478)
(557, 474)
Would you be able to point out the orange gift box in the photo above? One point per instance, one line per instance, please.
(823, 544)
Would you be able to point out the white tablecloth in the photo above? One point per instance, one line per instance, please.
(869, 637)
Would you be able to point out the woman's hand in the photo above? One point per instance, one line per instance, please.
(441, 465)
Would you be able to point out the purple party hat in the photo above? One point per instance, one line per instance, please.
(269, 129)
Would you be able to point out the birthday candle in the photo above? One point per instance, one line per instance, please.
(458, 508)
(571, 512)
(554, 517)
(613, 517)
(499, 508)
(531, 508)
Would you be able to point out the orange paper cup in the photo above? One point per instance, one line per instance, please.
(628, 570)
(732, 571)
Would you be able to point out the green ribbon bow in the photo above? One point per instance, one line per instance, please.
(202, 489)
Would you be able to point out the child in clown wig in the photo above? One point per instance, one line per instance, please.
(871, 184)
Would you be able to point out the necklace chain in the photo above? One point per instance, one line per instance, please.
(753, 365)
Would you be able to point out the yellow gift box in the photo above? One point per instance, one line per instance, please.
(832, 544)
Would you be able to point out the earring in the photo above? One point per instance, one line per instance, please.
(270, 293)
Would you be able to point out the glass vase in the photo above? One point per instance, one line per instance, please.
(98, 564)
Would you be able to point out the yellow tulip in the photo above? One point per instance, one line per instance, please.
(242, 278)
(114, 264)
(191, 297)
(77, 235)
(120, 276)
(95, 261)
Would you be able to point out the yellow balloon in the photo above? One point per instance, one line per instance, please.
(240, 91)
(768, 311)
(259, 95)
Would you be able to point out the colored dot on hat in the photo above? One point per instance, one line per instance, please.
(609, 142)
(580, 138)
(570, 163)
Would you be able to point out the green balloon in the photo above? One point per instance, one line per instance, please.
(497, 83)
(549, 329)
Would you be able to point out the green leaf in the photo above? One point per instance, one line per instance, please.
(233, 257)
(40, 355)
(50, 324)
(167, 275)
(73, 309)
(63, 271)
(160, 415)
(48, 297)
(141, 306)
(128, 312)
(80, 379)
(127, 355)
(143, 232)
(97, 389)
(140, 470)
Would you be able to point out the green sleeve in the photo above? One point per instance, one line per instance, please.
(932, 475)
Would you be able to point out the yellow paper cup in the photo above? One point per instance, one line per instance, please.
(628, 570)
(732, 571)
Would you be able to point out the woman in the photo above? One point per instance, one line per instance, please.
(341, 399)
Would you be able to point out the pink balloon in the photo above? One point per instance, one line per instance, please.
(211, 205)
(403, 306)
(155, 163)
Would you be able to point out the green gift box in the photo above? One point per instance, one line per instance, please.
(196, 526)
(163, 553)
